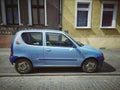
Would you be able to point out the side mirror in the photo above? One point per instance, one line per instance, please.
(74, 46)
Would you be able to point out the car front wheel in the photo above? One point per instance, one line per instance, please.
(23, 66)
(90, 65)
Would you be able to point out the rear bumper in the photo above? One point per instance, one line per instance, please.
(12, 59)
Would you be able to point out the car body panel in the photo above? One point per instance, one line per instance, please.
(52, 56)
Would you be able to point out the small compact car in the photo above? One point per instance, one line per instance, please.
(52, 48)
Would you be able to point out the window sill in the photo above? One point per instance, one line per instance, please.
(38, 25)
(83, 27)
(108, 27)
(11, 24)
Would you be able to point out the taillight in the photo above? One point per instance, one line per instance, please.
(17, 42)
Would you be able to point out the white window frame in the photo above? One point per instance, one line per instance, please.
(4, 12)
(30, 12)
(89, 13)
(114, 14)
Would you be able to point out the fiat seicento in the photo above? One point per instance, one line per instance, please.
(52, 48)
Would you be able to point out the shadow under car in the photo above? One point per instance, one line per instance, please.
(106, 68)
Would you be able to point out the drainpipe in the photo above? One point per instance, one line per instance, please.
(60, 14)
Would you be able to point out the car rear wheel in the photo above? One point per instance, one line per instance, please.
(23, 66)
(90, 65)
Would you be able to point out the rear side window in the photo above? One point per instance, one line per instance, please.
(32, 38)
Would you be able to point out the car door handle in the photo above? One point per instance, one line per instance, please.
(48, 50)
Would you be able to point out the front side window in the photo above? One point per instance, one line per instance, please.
(59, 40)
(83, 14)
(12, 12)
(38, 12)
(108, 19)
(32, 38)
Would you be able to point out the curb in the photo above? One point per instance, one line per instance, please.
(58, 74)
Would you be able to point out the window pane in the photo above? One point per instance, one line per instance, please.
(16, 20)
(33, 38)
(12, 12)
(81, 5)
(41, 2)
(52, 37)
(9, 16)
(35, 16)
(38, 11)
(107, 18)
(41, 13)
(59, 40)
(34, 2)
(15, 2)
(82, 18)
(36, 36)
(8, 2)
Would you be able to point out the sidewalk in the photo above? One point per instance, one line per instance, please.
(111, 66)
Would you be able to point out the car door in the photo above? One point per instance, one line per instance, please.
(60, 51)
(33, 47)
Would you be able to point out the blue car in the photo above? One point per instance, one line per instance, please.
(52, 48)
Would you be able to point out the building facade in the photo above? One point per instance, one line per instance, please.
(95, 22)
(27, 14)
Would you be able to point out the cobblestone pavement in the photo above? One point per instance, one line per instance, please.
(60, 83)
(108, 78)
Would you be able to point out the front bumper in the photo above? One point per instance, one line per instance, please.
(100, 59)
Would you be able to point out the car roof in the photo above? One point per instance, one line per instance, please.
(40, 30)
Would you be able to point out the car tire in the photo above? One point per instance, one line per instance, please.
(90, 65)
(23, 66)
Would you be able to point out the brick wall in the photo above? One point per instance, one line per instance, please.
(5, 41)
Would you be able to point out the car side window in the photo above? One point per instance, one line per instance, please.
(59, 40)
(32, 38)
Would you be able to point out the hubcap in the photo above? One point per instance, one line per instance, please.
(23, 66)
(90, 66)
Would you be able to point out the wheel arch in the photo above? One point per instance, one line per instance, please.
(23, 58)
(85, 62)
(90, 58)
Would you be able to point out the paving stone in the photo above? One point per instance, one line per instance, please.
(60, 83)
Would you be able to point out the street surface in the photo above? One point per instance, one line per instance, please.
(60, 83)
(111, 66)
(108, 78)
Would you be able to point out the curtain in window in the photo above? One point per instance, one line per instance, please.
(16, 21)
(38, 12)
(82, 18)
(107, 18)
(108, 11)
(12, 12)
(9, 16)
